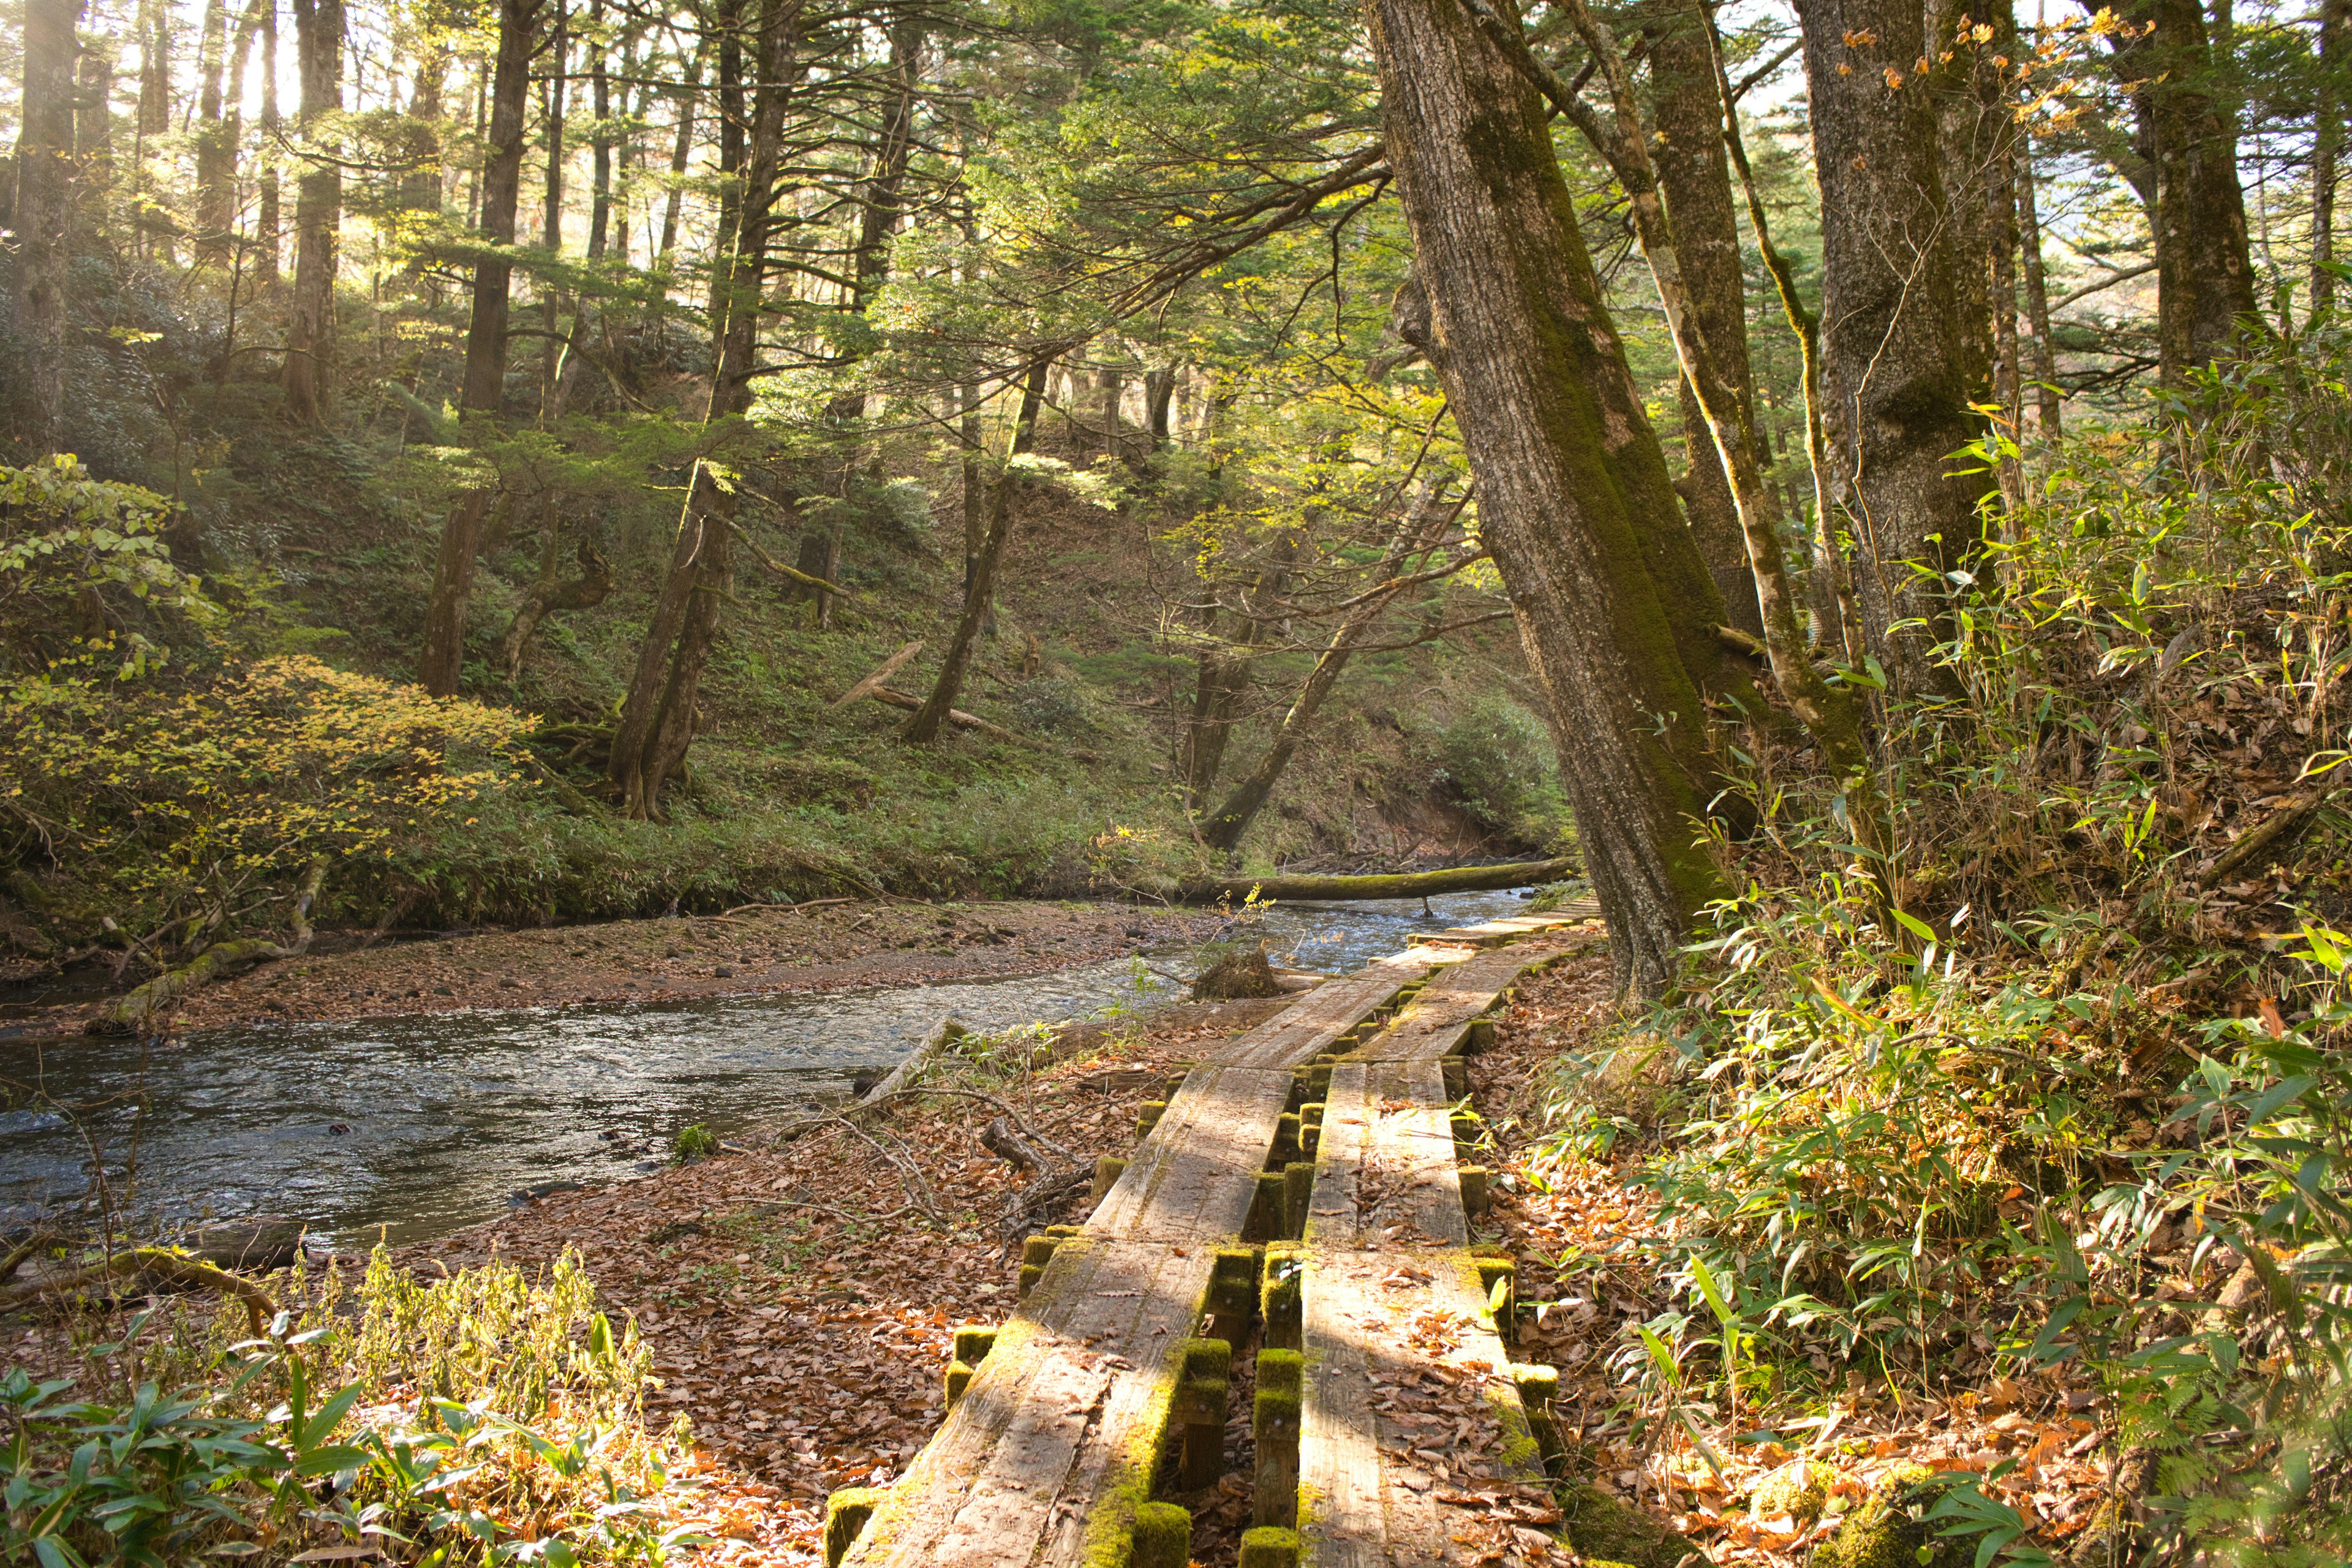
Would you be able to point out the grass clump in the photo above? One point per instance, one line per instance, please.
(484, 1414)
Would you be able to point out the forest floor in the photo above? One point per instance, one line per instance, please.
(832, 945)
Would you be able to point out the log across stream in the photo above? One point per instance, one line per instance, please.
(418, 1126)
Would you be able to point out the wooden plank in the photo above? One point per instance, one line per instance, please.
(1512, 927)
(1438, 1021)
(1409, 1396)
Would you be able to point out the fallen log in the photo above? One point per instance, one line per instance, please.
(880, 673)
(132, 1011)
(1402, 885)
(146, 1263)
(956, 716)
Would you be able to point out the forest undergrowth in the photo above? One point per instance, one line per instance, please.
(2035, 1171)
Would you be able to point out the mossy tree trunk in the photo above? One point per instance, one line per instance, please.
(1895, 362)
(1574, 494)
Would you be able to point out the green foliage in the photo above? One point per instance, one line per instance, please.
(484, 1416)
(694, 1142)
(1496, 757)
(79, 551)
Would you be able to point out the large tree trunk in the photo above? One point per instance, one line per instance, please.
(1696, 180)
(318, 211)
(2204, 275)
(1570, 477)
(44, 210)
(657, 716)
(420, 188)
(483, 395)
(1895, 365)
(980, 580)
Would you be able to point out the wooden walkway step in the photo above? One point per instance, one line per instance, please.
(1514, 928)
(1413, 1426)
(1055, 1437)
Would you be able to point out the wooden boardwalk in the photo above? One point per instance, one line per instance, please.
(1062, 1420)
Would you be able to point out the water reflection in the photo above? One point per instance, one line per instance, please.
(418, 1126)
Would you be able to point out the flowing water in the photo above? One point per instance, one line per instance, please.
(415, 1127)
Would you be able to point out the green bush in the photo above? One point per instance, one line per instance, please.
(1496, 759)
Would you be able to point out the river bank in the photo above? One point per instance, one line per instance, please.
(832, 945)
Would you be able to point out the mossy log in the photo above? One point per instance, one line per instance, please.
(1402, 885)
(160, 1265)
(130, 1012)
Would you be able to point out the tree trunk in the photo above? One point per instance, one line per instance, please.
(266, 224)
(600, 140)
(552, 592)
(2204, 273)
(483, 395)
(1570, 477)
(1996, 114)
(420, 188)
(1894, 356)
(216, 145)
(44, 210)
(681, 150)
(551, 233)
(318, 211)
(2037, 294)
(93, 140)
(1224, 676)
(979, 587)
(657, 716)
(1159, 387)
(1416, 536)
(1696, 181)
(730, 24)
(2326, 150)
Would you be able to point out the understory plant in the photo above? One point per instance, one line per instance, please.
(484, 1417)
(2073, 1101)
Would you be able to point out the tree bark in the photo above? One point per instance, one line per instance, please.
(2037, 295)
(483, 394)
(551, 233)
(318, 212)
(657, 716)
(1569, 475)
(2328, 150)
(1895, 358)
(265, 225)
(552, 592)
(2204, 272)
(44, 210)
(1696, 181)
(1417, 535)
(980, 584)
(216, 146)
(420, 188)
(681, 150)
(1398, 885)
(600, 140)
(1997, 141)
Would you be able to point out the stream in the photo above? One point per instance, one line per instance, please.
(411, 1128)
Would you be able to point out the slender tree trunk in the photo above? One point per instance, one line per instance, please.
(551, 304)
(420, 188)
(2037, 294)
(730, 22)
(681, 150)
(483, 395)
(43, 214)
(216, 145)
(1696, 181)
(1895, 360)
(318, 212)
(1570, 477)
(94, 120)
(265, 223)
(1159, 387)
(151, 222)
(600, 140)
(1418, 534)
(1996, 114)
(980, 584)
(657, 716)
(2326, 150)
(1223, 681)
